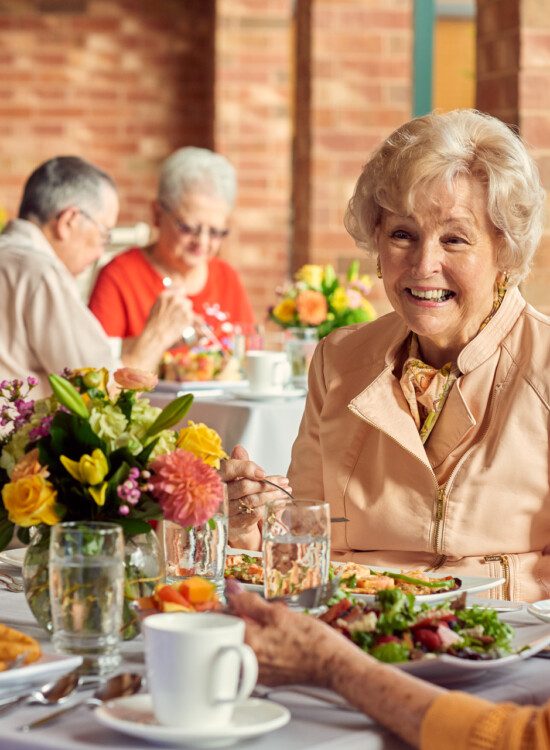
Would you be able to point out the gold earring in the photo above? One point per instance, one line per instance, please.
(378, 268)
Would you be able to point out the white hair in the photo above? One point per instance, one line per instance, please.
(196, 170)
(439, 148)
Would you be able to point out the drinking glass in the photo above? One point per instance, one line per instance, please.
(86, 573)
(296, 546)
(197, 550)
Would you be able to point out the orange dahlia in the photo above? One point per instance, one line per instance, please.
(188, 491)
(312, 307)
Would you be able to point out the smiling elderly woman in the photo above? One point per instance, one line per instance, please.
(428, 429)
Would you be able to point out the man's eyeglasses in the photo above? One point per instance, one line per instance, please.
(104, 232)
(214, 234)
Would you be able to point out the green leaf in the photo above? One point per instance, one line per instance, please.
(125, 403)
(171, 415)
(66, 394)
(211, 524)
(6, 532)
(134, 526)
(143, 457)
(390, 652)
(23, 534)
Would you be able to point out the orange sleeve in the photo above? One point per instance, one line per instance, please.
(465, 722)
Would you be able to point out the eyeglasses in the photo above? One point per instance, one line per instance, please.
(104, 232)
(214, 234)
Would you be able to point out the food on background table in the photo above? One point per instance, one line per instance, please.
(199, 365)
(13, 643)
(191, 595)
(395, 629)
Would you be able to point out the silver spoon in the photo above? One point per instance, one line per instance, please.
(126, 683)
(47, 695)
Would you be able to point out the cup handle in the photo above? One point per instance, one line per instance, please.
(249, 675)
(275, 378)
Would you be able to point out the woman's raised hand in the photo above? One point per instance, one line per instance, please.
(247, 495)
(171, 313)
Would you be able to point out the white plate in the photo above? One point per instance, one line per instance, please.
(13, 557)
(134, 716)
(540, 609)
(534, 635)
(49, 666)
(268, 395)
(186, 386)
(470, 585)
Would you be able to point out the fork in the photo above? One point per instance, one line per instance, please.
(10, 584)
(333, 519)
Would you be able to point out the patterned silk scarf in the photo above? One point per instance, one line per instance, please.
(425, 387)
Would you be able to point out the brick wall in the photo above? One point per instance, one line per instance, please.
(513, 49)
(253, 102)
(300, 103)
(120, 82)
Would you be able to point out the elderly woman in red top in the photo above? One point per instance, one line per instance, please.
(195, 197)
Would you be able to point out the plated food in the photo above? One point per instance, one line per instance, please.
(245, 568)
(14, 644)
(193, 594)
(360, 579)
(395, 628)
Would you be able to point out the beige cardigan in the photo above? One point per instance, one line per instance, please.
(484, 507)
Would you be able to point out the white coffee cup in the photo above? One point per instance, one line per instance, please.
(266, 371)
(193, 665)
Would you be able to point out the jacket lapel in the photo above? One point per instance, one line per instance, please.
(383, 405)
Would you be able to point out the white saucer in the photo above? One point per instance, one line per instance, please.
(274, 393)
(134, 715)
(540, 609)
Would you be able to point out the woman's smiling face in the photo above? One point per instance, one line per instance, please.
(439, 266)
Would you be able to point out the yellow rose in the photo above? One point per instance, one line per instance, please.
(89, 469)
(285, 311)
(30, 501)
(203, 442)
(310, 274)
(339, 300)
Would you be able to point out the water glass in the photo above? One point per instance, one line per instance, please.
(197, 550)
(296, 546)
(86, 573)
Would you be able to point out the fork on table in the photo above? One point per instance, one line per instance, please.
(8, 583)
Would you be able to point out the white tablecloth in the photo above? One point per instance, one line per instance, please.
(266, 429)
(313, 725)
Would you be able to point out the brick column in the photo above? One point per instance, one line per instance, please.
(513, 74)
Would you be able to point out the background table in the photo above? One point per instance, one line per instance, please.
(266, 429)
(313, 724)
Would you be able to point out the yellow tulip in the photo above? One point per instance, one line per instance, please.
(30, 501)
(310, 274)
(339, 300)
(89, 469)
(99, 493)
(203, 442)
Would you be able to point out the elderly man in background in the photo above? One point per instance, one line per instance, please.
(67, 211)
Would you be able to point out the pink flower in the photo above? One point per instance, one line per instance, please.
(188, 491)
(135, 380)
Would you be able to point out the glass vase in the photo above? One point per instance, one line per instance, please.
(299, 346)
(143, 569)
(197, 550)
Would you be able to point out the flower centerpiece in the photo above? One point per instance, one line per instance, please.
(315, 304)
(94, 452)
(319, 299)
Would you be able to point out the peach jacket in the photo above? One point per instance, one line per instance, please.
(476, 499)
